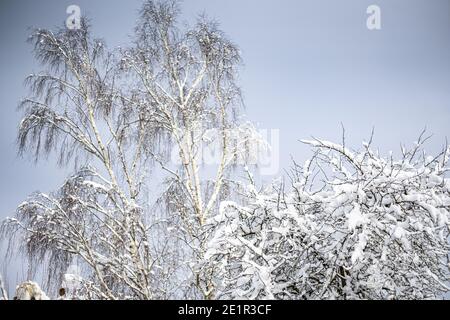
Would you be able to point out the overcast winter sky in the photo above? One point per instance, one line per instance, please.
(309, 65)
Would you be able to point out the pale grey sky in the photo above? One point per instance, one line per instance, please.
(309, 65)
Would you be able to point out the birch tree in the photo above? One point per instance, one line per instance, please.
(187, 80)
(114, 115)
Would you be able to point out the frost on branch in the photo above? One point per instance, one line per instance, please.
(354, 225)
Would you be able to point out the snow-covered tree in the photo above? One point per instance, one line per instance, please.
(354, 225)
(115, 114)
(76, 111)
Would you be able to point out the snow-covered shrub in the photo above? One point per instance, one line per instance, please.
(354, 225)
(30, 290)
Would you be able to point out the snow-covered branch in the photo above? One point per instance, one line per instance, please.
(372, 228)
